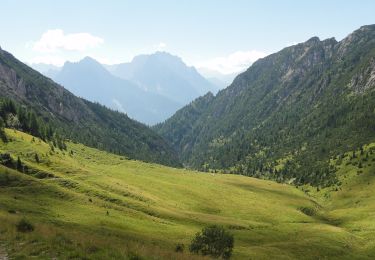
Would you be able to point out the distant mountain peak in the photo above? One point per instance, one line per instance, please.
(89, 59)
(85, 64)
(86, 60)
(313, 39)
(369, 27)
(165, 74)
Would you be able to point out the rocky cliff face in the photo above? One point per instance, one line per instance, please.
(30, 87)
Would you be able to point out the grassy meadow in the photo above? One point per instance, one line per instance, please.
(89, 204)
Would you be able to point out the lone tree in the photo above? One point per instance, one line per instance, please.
(19, 164)
(214, 241)
(36, 158)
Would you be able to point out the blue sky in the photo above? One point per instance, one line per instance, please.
(214, 34)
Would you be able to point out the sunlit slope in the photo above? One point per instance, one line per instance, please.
(88, 203)
(351, 205)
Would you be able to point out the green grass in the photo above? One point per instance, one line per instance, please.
(151, 208)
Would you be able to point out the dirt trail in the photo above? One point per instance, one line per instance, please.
(3, 253)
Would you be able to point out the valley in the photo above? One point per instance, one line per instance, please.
(93, 204)
(179, 130)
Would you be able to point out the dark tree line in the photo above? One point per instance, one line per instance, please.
(26, 120)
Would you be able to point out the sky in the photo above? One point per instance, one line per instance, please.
(215, 35)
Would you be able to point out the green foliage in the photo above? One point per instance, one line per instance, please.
(3, 136)
(153, 207)
(305, 104)
(36, 158)
(24, 226)
(20, 118)
(19, 165)
(179, 248)
(214, 241)
(50, 112)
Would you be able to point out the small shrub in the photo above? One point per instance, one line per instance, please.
(36, 157)
(92, 249)
(4, 179)
(214, 241)
(24, 226)
(179, 248)
(308, 211)
(133, 256)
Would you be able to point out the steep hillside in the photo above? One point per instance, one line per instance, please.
(287, 114)
(90, 80)
(78, 119)
(165, 74)
(88, 204)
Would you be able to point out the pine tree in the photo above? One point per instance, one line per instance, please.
(33, 124)
(36, 158)
(19, 164)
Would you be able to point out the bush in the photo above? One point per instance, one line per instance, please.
(179, 248)
(214, 241)
(24, 226)
(308, 211)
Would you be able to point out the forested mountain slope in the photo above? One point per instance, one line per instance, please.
(78, 119)
(287, 114)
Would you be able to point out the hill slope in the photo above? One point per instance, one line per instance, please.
(90, 80)
(78, 119)
(86, 203)
(287, 114)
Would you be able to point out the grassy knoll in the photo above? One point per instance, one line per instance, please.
(86, 203)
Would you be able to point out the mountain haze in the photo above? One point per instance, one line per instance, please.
(165, 74)
(78, 119)
(89, 79)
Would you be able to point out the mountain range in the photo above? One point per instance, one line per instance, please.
(89, 79)
(78, 119)
(165, 74)
(81, 181)
(150, 88)
(287, 115)
(284, 118)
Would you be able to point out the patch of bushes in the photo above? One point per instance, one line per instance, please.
(179, 248)
(308, 211)
(213, 241)
(24, 226)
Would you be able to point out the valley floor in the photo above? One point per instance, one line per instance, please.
(89, 204)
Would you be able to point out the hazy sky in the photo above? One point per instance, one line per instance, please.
(218, 35)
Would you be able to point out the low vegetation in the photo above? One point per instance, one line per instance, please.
(214, 241)
(97, 205)
(24, 226)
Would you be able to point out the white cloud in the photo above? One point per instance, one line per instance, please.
(119, 106)
(54, 40)
(48, 59)
(161, 46)
(233, 63)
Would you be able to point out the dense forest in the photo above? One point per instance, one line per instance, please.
(287, 115)
(17, 117)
